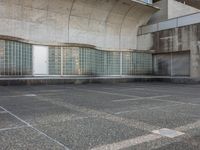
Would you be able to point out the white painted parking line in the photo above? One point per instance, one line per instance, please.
(178, 102)
(40, 132)
(151, 108)
(25, 95)
(128, 143)
(13, 128)
(136, 88)
(12, 96)
(3, 112)
(103, 115)
(139, 98)
(110, 93)
(30, 95)
(171, 92)
(128, 99)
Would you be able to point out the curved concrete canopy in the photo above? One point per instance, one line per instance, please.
(107, 24)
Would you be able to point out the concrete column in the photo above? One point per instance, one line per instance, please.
(195, 52)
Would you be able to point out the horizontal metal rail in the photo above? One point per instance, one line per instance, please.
(170, 24)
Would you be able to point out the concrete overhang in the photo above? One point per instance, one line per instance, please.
(107, 24)
(193, 3)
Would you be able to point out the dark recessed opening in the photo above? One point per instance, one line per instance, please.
(154, 1)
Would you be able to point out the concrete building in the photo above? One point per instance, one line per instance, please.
(174, 36)
(98, 38)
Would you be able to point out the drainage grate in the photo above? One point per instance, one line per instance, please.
(168, 133)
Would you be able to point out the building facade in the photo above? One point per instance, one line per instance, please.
(83, 38)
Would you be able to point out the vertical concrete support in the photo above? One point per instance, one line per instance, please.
(195, 51)
(175, 40)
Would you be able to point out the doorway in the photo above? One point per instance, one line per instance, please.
(40, 60)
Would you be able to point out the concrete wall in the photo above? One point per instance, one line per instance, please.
(145, 42)
(172, 64)
(176, 40)
(193, 3)
(176, 9)
(171, 9)
(162, 14)
(108, 24)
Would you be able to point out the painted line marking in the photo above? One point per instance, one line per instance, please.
(128, 143)
(173, 101)
(140, 98)
(136, 88)
(168, 133)
(3, 112)
(103, 115)
(170, 92)
(25, 95)
(103, 92)
(13, 128)
(30, 95)
(29, 125)
(152, 108)
(13, 96)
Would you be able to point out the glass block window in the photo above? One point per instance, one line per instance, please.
(112, 61)
(136, 63)
(2, 57)
(54, 60)
(71, 63)
(128, 67)
(15, 58)
(87, 61)
(93, 62)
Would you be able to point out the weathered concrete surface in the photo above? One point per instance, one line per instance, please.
(161, 14)
(175, 40)
(171, 9)
(145, 42)
(194, 46)
(106, 24)
(176, 9)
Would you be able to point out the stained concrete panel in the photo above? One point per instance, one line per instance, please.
(174, 64)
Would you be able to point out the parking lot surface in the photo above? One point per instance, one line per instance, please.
(128, 116)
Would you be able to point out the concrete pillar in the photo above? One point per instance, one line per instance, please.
(195, 52)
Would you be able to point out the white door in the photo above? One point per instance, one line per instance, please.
(40, 60)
